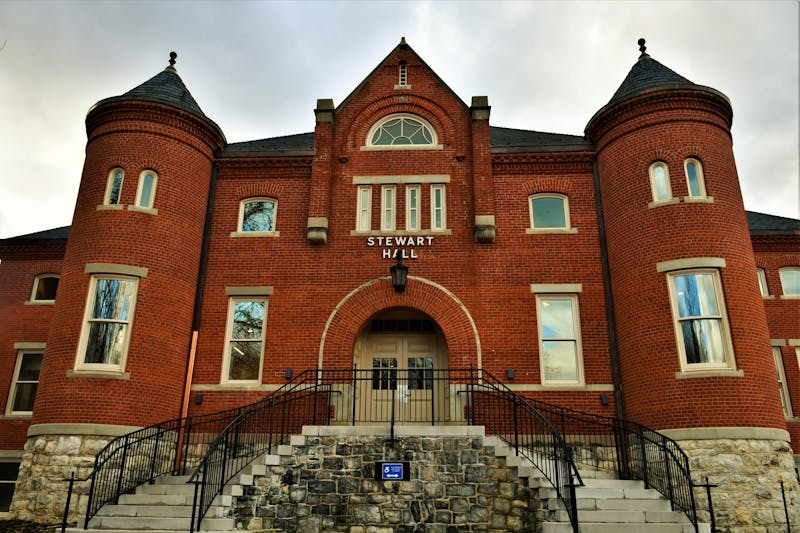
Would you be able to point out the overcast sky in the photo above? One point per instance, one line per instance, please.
(257, 69)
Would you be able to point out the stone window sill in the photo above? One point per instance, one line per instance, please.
(710, 373)
(545, 231)
(98, 374)
(238, 234)
(661, 203)
(146, 210)
(110, 207)
(698, 199)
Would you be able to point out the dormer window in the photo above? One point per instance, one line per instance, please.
(402, 131)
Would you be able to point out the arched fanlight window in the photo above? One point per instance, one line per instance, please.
(402, 131)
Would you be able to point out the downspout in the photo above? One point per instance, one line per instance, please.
(198, 296)
(612, 327)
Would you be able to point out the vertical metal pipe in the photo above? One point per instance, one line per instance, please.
(69, 497)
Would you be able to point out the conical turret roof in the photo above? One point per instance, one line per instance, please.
(647, 74)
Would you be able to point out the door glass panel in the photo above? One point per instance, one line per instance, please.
(384, 373)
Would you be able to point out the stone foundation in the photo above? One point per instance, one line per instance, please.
(747, 471)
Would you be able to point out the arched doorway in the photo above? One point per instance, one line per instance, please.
(401, 363)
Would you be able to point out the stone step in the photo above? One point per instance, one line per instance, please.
(595, 483)
(166, 488)
(106, 523)
(624, 517)
(613, 505)
(588, 527)
(168, 499)
(162, 511)
(172, 480)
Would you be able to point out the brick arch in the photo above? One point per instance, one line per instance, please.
(658, 154)
(252, 190)
(555, 185)
(347, 318)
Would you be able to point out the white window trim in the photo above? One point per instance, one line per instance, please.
(785, 296)
(727, 344)
(140, 187)
(567, 228)
(226, 360)
(363, 208)
(109, 186)
(786, 399)
(654, 189)
(416, 208)
(33, 300)
(438, 187)
(402, 76)
(240, 221)
(763, 287)
(80, 364)
(576, 324)
(388, 207)
(701, 181)
(434, 145)
(12, 393)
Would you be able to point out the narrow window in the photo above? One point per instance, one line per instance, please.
(403, 74)
(114, 187)
(388, 194)
(700, 322)
(438, 208)
(107, 325)
(559, 338)
(257, 215)
(364, 208)
(790, 281)
(762, 282)
(8, 481)
(25, 383)
(45, 287)
(549, 211)
(245, 339)
(782, 386)
(694, 178)
(412, 207)
(146, 191)
(659, 182)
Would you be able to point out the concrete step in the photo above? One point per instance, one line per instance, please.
(172, 480)
(162, 511)
(166, 488)
(588, 527)
(161, 524)
(613, 505)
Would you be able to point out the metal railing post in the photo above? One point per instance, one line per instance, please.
(316, 389)
(69, 497)
(271, 419)
(391, 423)
(573, 510)
(153, 461)
(516, 429)
(188, 439)
(353, 395)
(121, 470)
(93, 476)
(645, 475)
(669, 475)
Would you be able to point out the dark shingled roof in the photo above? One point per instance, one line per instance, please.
(55, 234)
(508, 137)
(771, 224)
(647, 73)
(288, 143)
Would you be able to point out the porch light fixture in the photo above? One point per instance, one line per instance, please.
(399, 273)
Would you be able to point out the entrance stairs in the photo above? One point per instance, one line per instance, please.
(605, 504)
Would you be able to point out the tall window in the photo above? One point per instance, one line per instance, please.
(402, 74)
(364, 208)
(388, 207)
(438, 208)
(146, 191)
(659, 182)
(786, 402)
(257, 215)
(694, 178)
(402, 130)
(114, 186)
(790, 281)
(245, 340)
(45, 287)
(559, 338)
(549, 211)
(25, 382)
(412, 207)
(700, 321)
(107, 325)
(8, 481)
(762, 282)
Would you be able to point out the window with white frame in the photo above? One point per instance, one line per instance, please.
(257, 215)
(25, 382)
(388, 207)
(659, 182)
(786, 402)
(412, 207)
(107, 323)
(549, 211)
(244, 340)
(402, 74)
(559, 338)
(45, 287)
(438, 207)
(790, 281)
(9, 470)
(114, 186)
(701, 324)
(146, 190)
(762, 282)
(694, 178)
(402, 131)
(364, 208)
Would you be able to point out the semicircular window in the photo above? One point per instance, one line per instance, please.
(402, 130)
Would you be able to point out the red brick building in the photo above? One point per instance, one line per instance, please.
(615, 273)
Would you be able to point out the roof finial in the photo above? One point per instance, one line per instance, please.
(642, 48)
(172, 56)
(402, 41)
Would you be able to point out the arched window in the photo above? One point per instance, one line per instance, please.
(258, 215)
(659, 182)
(114, 186)
(790, 281)
(549, 211)
(146, 192)
(45, 287)
(694, 178)
(406, 131)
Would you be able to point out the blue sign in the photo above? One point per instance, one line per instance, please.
(392, 471)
